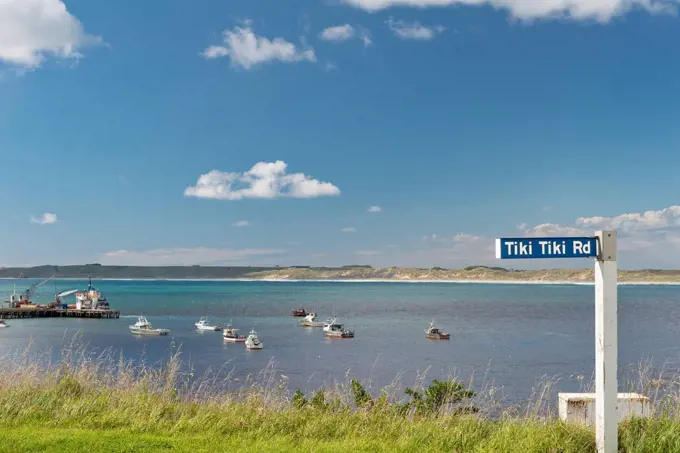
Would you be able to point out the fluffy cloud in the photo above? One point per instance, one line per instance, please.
(241, 223)
(246, 49)
(46, 219)
(264, 180)
(31, 30)
(645, 239)
(599, 10)
(350, 229)
(414, 31)
(183, 256)
(667, 217)
(550, 229)
(340, 33)
(374, 209)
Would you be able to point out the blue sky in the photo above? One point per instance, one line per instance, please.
(462, 120)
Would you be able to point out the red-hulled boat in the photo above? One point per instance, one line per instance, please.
(299, 312)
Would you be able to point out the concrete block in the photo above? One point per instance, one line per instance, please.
(580, 407)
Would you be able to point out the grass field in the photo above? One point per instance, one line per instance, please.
(100, 404)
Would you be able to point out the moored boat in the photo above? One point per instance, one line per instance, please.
(204, 324)
(299, 312)
(230, 335)
(253, 340)
(310, 321)
(144, 327)
(333, 329)
(3, 323)
(433, 333)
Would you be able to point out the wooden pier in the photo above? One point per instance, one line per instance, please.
(19, 313)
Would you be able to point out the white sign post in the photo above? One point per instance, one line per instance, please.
(602, 247)
(606, 385)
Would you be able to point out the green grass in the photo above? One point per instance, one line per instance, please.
(92, 404)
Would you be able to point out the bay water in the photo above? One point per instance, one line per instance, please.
(512, 335)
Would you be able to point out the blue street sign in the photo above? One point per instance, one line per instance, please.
(573, 247)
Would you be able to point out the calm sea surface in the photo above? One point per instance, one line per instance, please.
(510, 334)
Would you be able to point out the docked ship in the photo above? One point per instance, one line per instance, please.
(91, 299)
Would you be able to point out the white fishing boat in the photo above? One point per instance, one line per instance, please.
(3, 323)
(310, 321)
(253, 341)
(204, 324)
(333, 329)
(231, 336)
(144, 327)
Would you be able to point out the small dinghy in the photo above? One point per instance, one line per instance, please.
(3, 323)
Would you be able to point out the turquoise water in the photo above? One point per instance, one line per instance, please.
(510, 334)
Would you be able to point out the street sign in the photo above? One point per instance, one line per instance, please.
(550, 247)
(602, 247)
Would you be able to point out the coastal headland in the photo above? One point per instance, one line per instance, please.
(345, 273)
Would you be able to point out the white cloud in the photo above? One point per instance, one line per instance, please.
(182, 256)
(645, 239)
(350, 229)
(550, 229)
(414, 31)
(667, 217)
(340, 33)
(599, 10)
(32, 30)
(374, 209)
(264, 180)
(367, 252)
(241, 223)
(246, 49)
(46, 219)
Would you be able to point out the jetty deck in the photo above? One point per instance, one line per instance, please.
(18, 313)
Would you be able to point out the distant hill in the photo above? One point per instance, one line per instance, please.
(470, 273)
(134, 272)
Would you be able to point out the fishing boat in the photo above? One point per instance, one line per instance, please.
(230, 335)
(433, 333)
(204, 324)
(333, 329)
(299, 312)
(144, 327)
(253, 341)
(310, 321)
(3, 323)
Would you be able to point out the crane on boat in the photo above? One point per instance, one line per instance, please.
(25, 297)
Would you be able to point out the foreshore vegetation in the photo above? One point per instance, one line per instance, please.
(84, 401)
